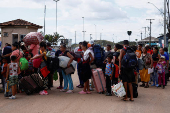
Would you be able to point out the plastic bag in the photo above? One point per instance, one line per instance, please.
(55, 76)
(50, 54)
(63, 61)
(119, 90)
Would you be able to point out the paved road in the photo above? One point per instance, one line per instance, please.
(151, 100)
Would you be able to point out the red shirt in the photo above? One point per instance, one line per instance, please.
(79, 59)
(150, 51)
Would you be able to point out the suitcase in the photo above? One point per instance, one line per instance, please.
(99, 80)
(28, 85)
(38, 80)
(135, 90)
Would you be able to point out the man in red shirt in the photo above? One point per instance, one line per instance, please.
(149, 50)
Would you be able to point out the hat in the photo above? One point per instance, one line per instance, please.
(88, 45)
(163, 57)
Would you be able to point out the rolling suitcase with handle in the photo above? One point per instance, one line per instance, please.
(38, 80)
(28, 85)
(99, 80)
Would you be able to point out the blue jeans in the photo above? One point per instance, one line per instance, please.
(155, 77)
(67, 80)
(81, 81)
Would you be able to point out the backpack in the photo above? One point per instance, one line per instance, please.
(98, 55)
(140, 64)
(23, 63)
(52, 63)
(129, 60)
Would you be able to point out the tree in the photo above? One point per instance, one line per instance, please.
(53, 38)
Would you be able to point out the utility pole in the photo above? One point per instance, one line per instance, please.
(145, 30)
(165, 41)
(44, 18)
(150, 30)
(75, 37)
(56, 14)
(90, 36)
(95, 31)
(141, 35)
(100, 36)
(83, 30)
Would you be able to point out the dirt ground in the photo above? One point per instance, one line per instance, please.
(151, 100)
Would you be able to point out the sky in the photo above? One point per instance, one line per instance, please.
(105, 19)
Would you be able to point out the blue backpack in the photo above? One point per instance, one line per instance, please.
(98, 55)
(129, 60)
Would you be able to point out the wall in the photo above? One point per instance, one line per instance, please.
(13, 30)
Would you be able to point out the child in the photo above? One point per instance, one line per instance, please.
(161, 71)
(30, 64)
(12, 72)
(3, 72)
(109, 73)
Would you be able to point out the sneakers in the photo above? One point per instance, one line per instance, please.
(157, 85)
(44, 92)
(60, 87)
(12, 97)
(69, 91)
(91, 89)
(88, 92)
(82, 92)
(63, 90)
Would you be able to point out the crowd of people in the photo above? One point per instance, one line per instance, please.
(146, 64)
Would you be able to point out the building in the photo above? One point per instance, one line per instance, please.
(15, 30)
(154, 41)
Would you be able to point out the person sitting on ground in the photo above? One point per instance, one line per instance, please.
(12, 73)
(109, 74)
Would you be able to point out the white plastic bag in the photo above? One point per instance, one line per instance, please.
(150, 70)
(119, 90)
(63, 61)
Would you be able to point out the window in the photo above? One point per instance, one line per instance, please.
(5, 34)
(22, 37)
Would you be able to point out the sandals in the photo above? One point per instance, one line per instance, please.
(146, 86)
(131, 100)
(124, 99)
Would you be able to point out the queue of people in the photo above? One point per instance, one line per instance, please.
(121, 64)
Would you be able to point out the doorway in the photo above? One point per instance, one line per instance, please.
(14, 38)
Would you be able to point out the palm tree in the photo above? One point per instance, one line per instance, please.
(53, 38)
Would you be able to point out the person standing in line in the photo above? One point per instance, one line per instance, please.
(81, 85)
(161, 51)
(109, 74)
(12, 73)
(127, 74)
(59, 71)
(67, 78)
(86, 70)
(42, 55)
(145, 77)
(155, 59)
